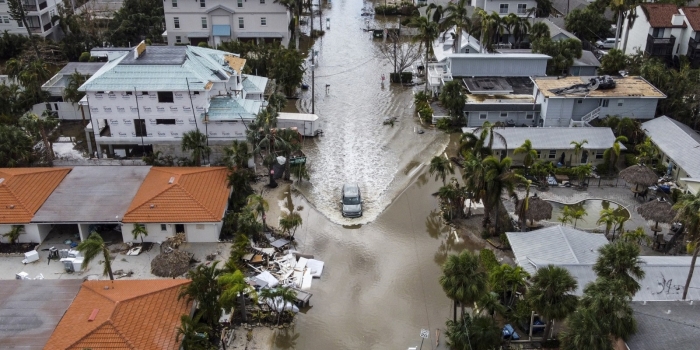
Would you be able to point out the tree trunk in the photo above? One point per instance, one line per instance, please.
(454, 310)
(627, 33)
(618, 29)
(47, 145)
(547, 330)
(498, 207)
(108, 263)
(690, 272)
(245, 313)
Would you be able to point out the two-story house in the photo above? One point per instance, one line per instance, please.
(574, 101)
(505, 7)
(39, 14)
(656, 31)
(690, 40)
(217, 21)
(148, 98)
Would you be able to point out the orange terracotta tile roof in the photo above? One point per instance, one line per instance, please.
(661, 15)
(693, 16)
(180, 194)
(131, 314)
(24, 190)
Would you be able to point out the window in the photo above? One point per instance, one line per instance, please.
(241, 23)
(605, 102)
(552, 154)
(140, 127)
(5, 19)
(262, 2)
(165, 96)
(504, 8)
(52, 13)
(620, 102)
(178, 39)
(599, 154)
(144, 93)
(263, 21)
(522, 8)
(504, 114)
(658, 33)
(204, 23)
(539, 154)
(174, 3)
(483, 115)
(202, 3)
(165, 121)
(163, 227)
(579, 100)
(239, 3)
(20, 24)
(177, 22)
(529, 116)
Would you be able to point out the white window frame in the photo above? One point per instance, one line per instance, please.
(241, 23)
(174, 3)
(262, 2)
(552, 154)
(263, 21)
(20, 24)
(239, 3)
(483, 115)
(605, 102)
(176, 22)
(178, 39)
(202, 3)
(163, 227)
(501, 7)
(539, 154)
(205, 24)
(579, 100)
(5, 19)
(599, 154)
(504, 116)
(529, 115)
(524, 9)
(620, 102)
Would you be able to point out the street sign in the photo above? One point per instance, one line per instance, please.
(424, 333)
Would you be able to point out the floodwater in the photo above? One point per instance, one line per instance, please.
(379, 287)
(356, 146)
(592, 208)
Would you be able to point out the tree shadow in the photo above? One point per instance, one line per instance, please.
(286, 338)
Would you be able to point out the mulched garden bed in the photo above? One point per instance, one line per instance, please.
(16, 248)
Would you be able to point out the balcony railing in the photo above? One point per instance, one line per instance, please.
(30, 7)
(35, 29)
(660, 46)
(42, 5)
(47, 26)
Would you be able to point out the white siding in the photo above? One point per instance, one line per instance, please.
(497, 66)
(196, 232)
(33, 233)
(558, 111)
(495, 6)
(637, 37)
(635, 108)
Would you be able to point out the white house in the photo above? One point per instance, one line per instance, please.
(56, 86)
(505, 7)
(153, 95)
(689, 41)
(39, 14)
(22, 192)
(192, 201)
(216, 21)
(657, 31)
(575, 101)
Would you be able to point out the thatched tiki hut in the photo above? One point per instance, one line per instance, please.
(659, 210)
(639, 175)
(537, 209)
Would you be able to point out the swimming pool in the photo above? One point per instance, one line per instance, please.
(592, 207)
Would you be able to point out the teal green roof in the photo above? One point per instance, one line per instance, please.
(254, 84)
(233, 109)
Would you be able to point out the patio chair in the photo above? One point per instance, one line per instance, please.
(643, 195)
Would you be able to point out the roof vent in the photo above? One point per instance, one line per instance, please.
(172, 179)
(153, 206)
(2, 179)
(11, 206)
(95, 311)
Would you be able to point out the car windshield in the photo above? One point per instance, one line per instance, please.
(353, 200)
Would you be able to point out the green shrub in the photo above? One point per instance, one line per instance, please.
(84, 57)
(488, 259)
(630, 159)
(661, 168)
(675, 194)
(602, 169)
(444, 124)
(485, 234)
(504, 240)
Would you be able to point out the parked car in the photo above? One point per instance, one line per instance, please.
(351, 199)
(608, 43)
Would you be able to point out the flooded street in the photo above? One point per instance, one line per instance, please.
(356, 147)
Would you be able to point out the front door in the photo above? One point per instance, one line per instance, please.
(584, 157)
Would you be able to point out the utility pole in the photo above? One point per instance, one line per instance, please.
(313, 60)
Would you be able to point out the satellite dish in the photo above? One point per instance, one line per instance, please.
(594, 84)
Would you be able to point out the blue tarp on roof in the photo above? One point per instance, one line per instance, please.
(221, 30)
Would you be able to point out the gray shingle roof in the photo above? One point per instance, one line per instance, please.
(554, 245)
(84, 68)
(676, 140)
(587, 59)
(664, 278)
(554, 29)
(665, 325)
(555, 138)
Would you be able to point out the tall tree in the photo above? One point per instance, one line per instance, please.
(237, 155)
(40, 128)
(508, 280)
(234, 286)
(453, 99)
(196, 142)
(463, 280)
(93, 247)
(688, 212)
(529, 152)
(457, 15)
(205, 289)
(440, 167)
(551, 294)
(613, 153)
(139, 230)
(290, 145)
(17, 13)
(474, 333)
(136, 20)
(15, 147)
(608, 216)
(498, 177)
(613, 62)
(290, 222)
(13, 234)
(190, 332)
(258, 205)
(620, 261)
(587, 24)
(578, 148)
(427, 33)
(279, 297)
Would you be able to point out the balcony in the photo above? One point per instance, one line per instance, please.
(694, 52)
(33, 7)
(660, 47)
(35, 29)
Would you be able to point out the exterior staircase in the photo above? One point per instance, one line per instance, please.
(585, 120)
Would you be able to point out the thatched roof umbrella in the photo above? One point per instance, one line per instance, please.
(173, 264)
(659, 210)
(537, 209)
(639, 175)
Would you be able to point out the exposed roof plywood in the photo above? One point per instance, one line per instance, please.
(625, 87)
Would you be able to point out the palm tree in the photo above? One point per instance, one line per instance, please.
(280, 297)
(237, 155)
(608, 216)
(522, 214)
(196, 142)
(258, 205)
(498, 177)
(427, 33)
(13, 234)
(239, 181)
(440, 167)
(508, 280)
(539, 30)
(474, 178)
(458, 16)
(194, 335)
(488, 130)
(576, 213)
(205, 289)
(620, 261)
(530, 153)
(290, 222)
(41, 127)
(578, 148)
(139, 230)
(92, 247)
(463, 280)
(551, 294)
(636, 236)
(16, 148)
(613, 153)
(290, 145)
(619, 225)
(490, 302)
(449, 196)
(688, 212)
(234, 286)
(474, 333)
(565, 217)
